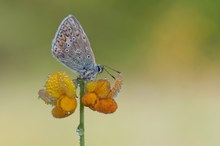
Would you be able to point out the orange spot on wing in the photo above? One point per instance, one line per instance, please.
(63, 38)
(60, 44)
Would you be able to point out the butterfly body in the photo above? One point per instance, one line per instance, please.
(72, 48)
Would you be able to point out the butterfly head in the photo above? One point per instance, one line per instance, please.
(100, 68)
(90, 74)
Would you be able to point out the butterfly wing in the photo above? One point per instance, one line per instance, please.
(71, 46)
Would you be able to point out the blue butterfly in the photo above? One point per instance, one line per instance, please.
(71, 47)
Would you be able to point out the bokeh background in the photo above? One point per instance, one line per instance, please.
(168, 51)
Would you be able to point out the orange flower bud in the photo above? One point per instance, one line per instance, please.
(67, 104)
(57, 112)
(90, 87)
(102, 88)
(106, 105)
(90, 99)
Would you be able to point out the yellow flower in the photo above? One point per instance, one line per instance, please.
(60, 92)
(99, 95)
(60, 84)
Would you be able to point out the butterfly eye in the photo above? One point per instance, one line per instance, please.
(99, 68)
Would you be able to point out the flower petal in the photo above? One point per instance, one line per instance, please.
(67, 104)
(106, 105)
(102, 88)
(45, 97)
(117, 86)
(90, 99)
(90, 86)
(57, 112)
(59, 84)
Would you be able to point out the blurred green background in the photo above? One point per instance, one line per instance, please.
(168, 51)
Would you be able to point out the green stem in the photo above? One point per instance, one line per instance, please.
(80, 128)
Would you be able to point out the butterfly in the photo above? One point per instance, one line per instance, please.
(72, 48)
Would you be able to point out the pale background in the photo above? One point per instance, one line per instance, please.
(168, 52)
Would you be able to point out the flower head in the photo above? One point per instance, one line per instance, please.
(99, 95)
(60, 92)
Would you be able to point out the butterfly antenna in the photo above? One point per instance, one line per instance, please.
(112, 69)
(109, 73)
